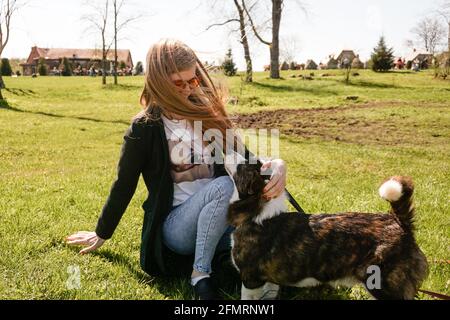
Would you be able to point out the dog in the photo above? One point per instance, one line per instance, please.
(273, 248)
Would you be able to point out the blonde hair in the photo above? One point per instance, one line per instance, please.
(206, 103)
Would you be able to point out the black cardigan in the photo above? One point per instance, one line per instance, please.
(145, 151)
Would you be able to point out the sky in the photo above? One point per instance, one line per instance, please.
(327, 27)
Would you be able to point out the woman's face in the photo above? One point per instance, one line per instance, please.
(185, 81)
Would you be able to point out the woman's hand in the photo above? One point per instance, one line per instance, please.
(277, 182)
(85, 238)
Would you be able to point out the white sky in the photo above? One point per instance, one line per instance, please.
(329, 27)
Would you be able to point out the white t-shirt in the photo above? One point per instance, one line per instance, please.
(185, 148)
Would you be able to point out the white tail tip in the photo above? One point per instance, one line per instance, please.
(391, 190)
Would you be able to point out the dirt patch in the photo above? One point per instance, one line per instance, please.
(339, 124)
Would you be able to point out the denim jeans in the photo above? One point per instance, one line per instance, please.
(199, 225)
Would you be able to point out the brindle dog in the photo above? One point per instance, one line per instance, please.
(272, 247)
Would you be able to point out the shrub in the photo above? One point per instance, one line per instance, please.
(139, 68)
(42, 67)
(6, 69)
(382, 57)
(228, 65)
(66, 67)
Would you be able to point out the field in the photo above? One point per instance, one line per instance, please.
(60, 142)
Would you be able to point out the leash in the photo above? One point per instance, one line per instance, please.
(300, 210)
(293, 202)
(435, 294)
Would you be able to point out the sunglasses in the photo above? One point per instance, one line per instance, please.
(193, 83)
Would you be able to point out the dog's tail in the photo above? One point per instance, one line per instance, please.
(398, 190)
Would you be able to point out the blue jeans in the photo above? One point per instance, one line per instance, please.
(199, 225)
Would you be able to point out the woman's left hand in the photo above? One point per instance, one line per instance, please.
(277, 182)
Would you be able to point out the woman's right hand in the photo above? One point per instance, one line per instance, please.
(89, 239)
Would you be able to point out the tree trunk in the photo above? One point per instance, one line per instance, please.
(274, 48)
(104, 70)
(449, 36)
(115, 64)
(115, 43)
(2, 84)
(244, 41)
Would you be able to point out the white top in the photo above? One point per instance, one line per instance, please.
(188, 169)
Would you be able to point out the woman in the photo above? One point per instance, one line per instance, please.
(185, 212)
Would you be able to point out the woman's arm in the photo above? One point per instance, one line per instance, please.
(129, 169)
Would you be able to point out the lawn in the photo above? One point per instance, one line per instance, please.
(60, 142)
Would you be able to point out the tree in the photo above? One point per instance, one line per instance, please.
(444, 12)
(274, 44)
(66, 67)
(277, 8)
(289, 48)
(98, 20)
(228, 65)
(243, 23)
(118, 26)
(383, 57)
(42, 67)
(6, 69)
(139, 68)
(7, 9)
(429, 32)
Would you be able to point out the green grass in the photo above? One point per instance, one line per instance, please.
(60, 141)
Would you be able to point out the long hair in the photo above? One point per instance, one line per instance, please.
(206, 103)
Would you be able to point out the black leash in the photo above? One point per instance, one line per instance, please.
(293, 202)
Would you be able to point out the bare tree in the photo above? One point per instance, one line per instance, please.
(98, 20)
(430, 33)
(274, 44)
(7, 9)
(277, 8)
(118, 27)
(243, 35)
(289, 48)
(444, 12)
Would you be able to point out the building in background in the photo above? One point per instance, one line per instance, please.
(82, 60)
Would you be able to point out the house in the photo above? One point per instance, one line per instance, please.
(81, 59)
(346, 56)
(311, 65)
(419, 60)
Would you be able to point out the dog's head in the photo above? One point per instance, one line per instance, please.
(249, 180)
(247, 176)
(249, 183)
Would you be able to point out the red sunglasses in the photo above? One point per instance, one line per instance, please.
(193, 83)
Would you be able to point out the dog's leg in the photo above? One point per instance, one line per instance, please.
(252, 294)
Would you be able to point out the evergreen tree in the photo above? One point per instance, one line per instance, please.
(139, 68)
(6, 69)
(66, 67)
(382, 57)
(42, 67)
(228, 65)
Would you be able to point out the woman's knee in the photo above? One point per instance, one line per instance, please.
(222, 188)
